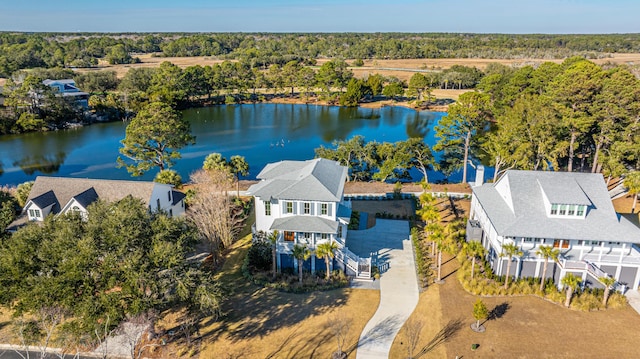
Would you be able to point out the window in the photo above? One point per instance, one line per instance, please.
(572, 210)
(580, 211)
(267, 208)
(306, 208)
(170, 212)
(288, 236)
(75, 209)
(528, 240)
(554, 209)
(324, 236)
(557, 244)
(563, 209)
(339, 231)
(169, 196)
(595, 243)
(306, 235)
(158, 203)
(324, 209)
(34, 213)
(289, 207)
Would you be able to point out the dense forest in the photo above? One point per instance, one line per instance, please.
(31, 50)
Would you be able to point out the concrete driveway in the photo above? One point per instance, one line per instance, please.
(389, 241)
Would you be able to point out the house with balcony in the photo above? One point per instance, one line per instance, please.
(67, 89)
(568, 211)
(60, 195)
(303, 201)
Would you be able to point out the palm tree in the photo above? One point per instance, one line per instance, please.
(438, 240)
(474, 249)
(547, 252)
(273, 239)
(570, 282)
(326, 251)
(509, 250)
(239, 167)
(301, 253)
(608, 285)
(632, 182)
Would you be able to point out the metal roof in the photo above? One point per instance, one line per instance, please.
(529, 216)
(313, 180)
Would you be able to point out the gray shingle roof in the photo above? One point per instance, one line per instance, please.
(529, 217)
(318, 179)
(563, 190)
(310, 224)
(63, 189)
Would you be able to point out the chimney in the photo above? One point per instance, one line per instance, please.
(479, 175)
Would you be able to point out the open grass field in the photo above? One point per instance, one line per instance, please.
(265, 323)
(399, 68)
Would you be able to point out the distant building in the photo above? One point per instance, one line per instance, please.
(67, 88)
(59, 195)
(568, 211)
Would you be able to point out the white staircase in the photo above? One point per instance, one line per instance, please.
(360, 266)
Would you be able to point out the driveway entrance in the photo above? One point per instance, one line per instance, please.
(389, 245)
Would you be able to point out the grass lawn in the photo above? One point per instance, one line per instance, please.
(532, 327)
(265, 323)
(522, 327)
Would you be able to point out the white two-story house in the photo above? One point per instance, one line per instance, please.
(568, 211)
(67, 88)
(59, 195)
(303, 201)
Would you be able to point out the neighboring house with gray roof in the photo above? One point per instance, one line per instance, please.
(569, 211)
(303, 201)
(67, 88)
(59, 195)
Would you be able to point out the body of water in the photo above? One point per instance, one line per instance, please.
(262, 133)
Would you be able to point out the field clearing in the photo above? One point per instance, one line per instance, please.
(383, 67)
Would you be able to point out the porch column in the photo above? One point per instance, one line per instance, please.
(634, 285)
(624, 246)
(537, 272)
(601, 250)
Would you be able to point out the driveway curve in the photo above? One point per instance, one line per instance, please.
(388, 240)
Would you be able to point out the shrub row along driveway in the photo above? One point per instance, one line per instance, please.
(390, 242)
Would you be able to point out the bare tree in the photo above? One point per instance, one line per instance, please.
(340, 325)
(218, 219)
(49, 319)
(413, 329)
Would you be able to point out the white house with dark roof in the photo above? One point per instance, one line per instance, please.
(58, 195)
(303, 201)
(569, 211)
(67, 88)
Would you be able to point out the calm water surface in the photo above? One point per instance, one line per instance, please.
(262, 133)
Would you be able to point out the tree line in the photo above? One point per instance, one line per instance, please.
(32, 50)
(570, 116)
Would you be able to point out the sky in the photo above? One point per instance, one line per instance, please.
(476, 16)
